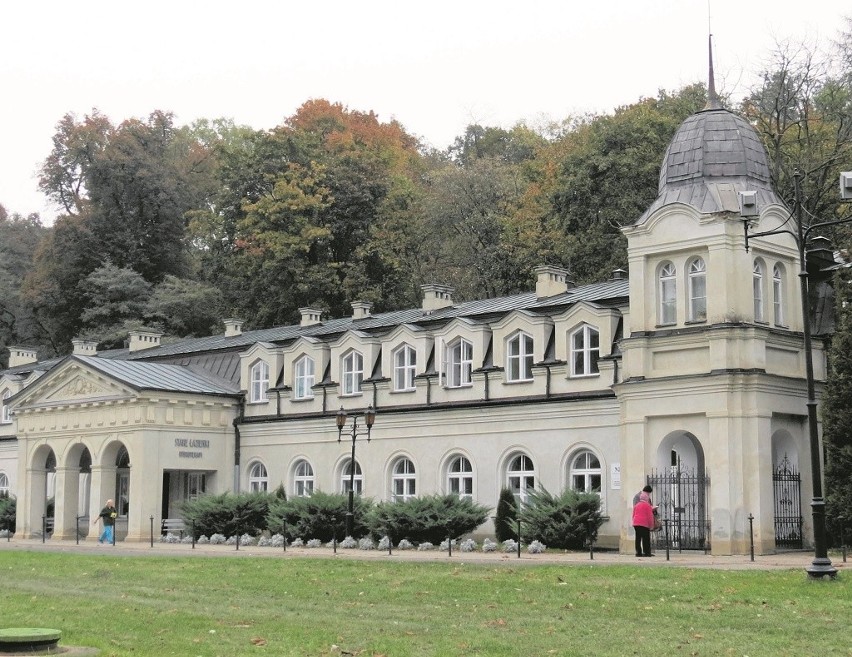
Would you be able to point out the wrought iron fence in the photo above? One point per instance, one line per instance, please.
(681, 497)
(787, 485)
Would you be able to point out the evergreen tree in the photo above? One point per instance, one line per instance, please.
(505, 524)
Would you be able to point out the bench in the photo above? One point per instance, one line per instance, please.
(173, 525)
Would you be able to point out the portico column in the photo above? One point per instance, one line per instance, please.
(65, 503)
(32, 508)
(103, 489)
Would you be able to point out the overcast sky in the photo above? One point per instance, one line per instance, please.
(435, 67)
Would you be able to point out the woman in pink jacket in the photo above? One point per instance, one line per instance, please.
(643, 523)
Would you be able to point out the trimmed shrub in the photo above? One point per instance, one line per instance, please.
(8, 508)
(321, 516)
(561, 521)
(505, 524)
(228, 514)
(431, 518)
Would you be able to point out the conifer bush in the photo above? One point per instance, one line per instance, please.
(431, 518)
(507, 514)
(8, 508)
(321, 516)
(228, 514)
(561, 521)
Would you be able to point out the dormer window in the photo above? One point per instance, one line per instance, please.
(6, 417)
(304, 378)
(519, 358)
(459, 363)
(404, 368)
(259, 382)
(353, 373)
(585, 351)
(697, 290)
(668, 294)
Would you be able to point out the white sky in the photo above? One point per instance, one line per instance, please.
(435, 66)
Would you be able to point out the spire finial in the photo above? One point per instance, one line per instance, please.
(712, 98)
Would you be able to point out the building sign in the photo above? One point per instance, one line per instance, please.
(188, 448)
(615, 476)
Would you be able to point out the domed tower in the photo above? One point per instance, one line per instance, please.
(713, 383)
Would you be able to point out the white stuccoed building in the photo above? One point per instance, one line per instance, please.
(687, 373)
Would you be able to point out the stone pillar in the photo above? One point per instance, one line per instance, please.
(32, 508)
(65, 509)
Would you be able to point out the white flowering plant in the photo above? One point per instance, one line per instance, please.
(488, 545)
(468, 545)
(536, 547)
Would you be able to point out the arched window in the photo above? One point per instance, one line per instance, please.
(668, 294)
(521, 476)
(778, 294)
(304, 378)
(585, 351)
(258, 478)
(4, 484)
(403, 480)
(519, 358)
(346, 475)
(6, 417)
(404, 368)
(303, 479)
(259, 382)
(585, 473)
(697, 290)
(460, 477)
(459, 363)
(757, 288)
(122, 485)
(353, 373)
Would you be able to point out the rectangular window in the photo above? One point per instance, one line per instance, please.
(353, 373)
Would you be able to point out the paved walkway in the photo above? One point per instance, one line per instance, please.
(780, 561)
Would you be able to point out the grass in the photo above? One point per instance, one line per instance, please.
(221, 606)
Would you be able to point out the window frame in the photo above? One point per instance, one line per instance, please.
(404, 371)
(357, 480)
(303, 381)
(526, 476)
(587, 471)
(4, 483)
(352, 373)
(6, 415)
(519, 364)
(667, 291)
(304, 479)
(590, 355)
(459, 363)
(758, 275)
(697, 277)
(778, 289)
(460, 480)
(258, 382)
(258, 482)
(403, 480)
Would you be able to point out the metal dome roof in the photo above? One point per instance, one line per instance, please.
(714, 155)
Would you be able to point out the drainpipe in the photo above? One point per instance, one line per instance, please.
(237, 421)
(487, 387)
(547, 383)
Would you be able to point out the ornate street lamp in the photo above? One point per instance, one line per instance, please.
(369, 418)
(821, 564)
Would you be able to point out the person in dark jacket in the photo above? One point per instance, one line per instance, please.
(108, 514)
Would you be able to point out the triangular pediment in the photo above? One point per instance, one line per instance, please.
(72, 382)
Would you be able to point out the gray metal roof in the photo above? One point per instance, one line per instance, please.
(714, 155)
(160, 376)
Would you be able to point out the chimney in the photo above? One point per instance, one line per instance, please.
(436, 297)
(618, 275)
(142, 339)
(310, 316)
(85, 347)
(233, 327)
(21, 356)
(361, 309)
(551, 281)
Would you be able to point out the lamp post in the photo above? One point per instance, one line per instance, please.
(821, 564)
(369, 417)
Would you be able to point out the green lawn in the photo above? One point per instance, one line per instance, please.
(231, 607)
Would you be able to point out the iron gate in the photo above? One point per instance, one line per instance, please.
(787, 483)
(681, 497)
